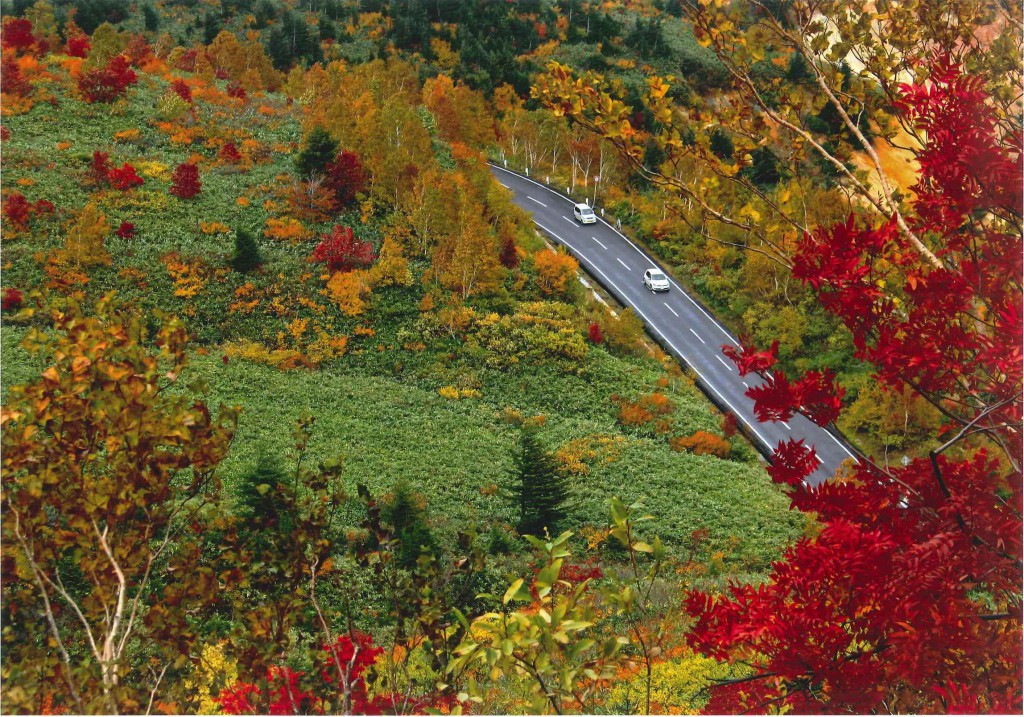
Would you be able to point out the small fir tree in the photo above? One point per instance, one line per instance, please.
(319, 152)
(247, 252)
(541, 491)
(405, 514)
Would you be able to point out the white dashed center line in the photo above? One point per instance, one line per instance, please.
(698, 336)
(568, 220)
(721, 361)
(746, 384)
(536, 200)
(623, 263)
(670, 309)
(787, 426)
(504, 185)
(599, 242)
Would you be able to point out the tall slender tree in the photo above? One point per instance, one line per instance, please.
(541, 490)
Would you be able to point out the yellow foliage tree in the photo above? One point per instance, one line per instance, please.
(466, 261)
(85, 236)
(392, 268)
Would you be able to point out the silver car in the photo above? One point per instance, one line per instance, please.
(584, 214)
(655, 280)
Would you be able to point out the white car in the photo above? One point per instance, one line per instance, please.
(584, 214)
(655, 280)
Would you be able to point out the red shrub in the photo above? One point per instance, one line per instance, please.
(12, 299)
(78, 46)
(220, 73)
(43, 207)
(99, 169)
(108, 83)
(729, 425)
(282, 694)
(509, 257)
(17, 210)
(182, 89)
(237, 91)
(229, 153)
(594, 332)
(185, 182)
(17, 34)
(124, 177)
(126, 230)
(5, 134)
(341, 251)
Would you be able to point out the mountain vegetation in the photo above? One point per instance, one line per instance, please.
(302, 415)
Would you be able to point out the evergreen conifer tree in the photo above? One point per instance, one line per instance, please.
(319, 151)
(405, 516)
(247, 252)
(541, 490)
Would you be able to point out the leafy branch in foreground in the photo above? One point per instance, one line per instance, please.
(109, 478)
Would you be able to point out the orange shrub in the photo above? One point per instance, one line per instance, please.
(701, 443)
(286, 229)
(645, 410)
(349, 290)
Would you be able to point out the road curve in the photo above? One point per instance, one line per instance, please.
(681, 325)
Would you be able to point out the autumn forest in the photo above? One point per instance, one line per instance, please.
(306, 412)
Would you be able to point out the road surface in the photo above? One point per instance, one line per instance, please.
(685, 328)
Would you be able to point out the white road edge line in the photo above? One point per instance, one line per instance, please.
(752, 428)
(670, 308)
(632, 244)
(698, 337)
(599, 242)
(537, 200)
(623, 263)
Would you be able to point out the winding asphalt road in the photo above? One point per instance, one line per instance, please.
(681, 325)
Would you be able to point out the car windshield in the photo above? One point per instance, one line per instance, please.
(586, 211)
(657, 276)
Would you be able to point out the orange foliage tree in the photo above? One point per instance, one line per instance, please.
(555, 271)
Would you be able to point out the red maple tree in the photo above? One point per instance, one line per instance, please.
(78, 46)
(909, 599)
(12, 82)
(185, 182)
(106, 84)
(17, 34)
(341, 251)
(345, 178)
